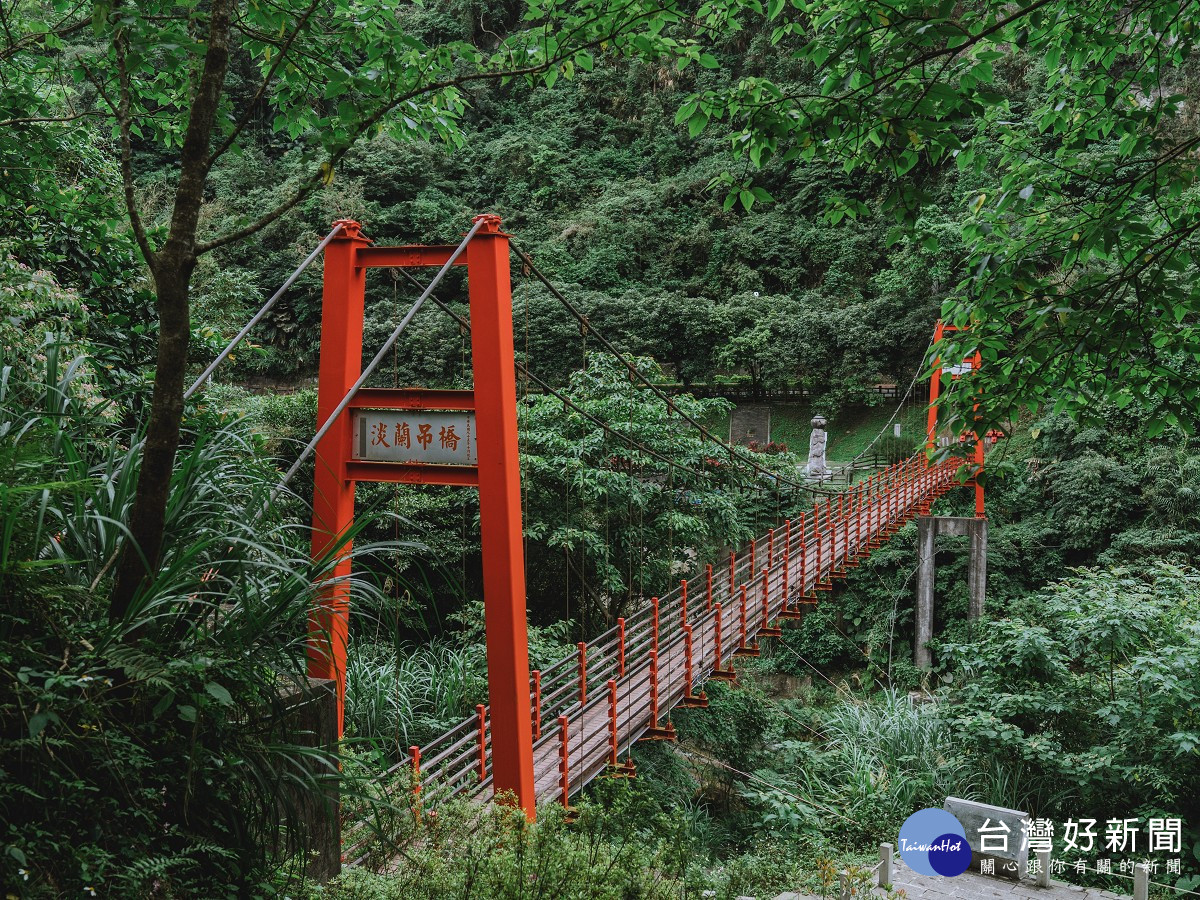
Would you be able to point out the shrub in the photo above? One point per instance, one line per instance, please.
(146, 754)
(467, 852)
(1087, 698)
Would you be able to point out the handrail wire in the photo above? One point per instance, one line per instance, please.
(897, 489)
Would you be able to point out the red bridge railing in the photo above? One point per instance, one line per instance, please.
(591, 706)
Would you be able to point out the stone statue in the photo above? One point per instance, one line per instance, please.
(816, 449)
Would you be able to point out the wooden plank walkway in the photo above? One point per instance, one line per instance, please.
(591, 707)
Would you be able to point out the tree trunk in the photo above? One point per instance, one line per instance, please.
(140, 557)
(172, 267)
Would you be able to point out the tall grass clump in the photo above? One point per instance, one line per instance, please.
(398, 697)
(879, 759)
(898, 745)
(149, 754)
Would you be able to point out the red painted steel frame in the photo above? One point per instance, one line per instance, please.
(497, 475)
(481, 713)
(935, 384)
(501, 534)
(612, 723)
(935, 389)
(333, 492)
(414, 756)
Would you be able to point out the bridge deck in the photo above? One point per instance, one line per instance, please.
(590, 707)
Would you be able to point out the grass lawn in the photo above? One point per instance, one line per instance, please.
(852, 430)
(849, 433)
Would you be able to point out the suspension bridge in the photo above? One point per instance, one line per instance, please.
(590, 707)
(547, 734)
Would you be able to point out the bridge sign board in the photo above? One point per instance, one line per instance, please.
(437, 437)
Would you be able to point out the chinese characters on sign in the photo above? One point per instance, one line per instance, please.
(415, 436)
(1081, 836)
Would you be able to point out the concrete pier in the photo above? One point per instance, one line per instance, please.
(928, 528)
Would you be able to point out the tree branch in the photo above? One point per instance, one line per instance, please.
(308, 186)
(372, 120)
(60, 30)
(124, 123)
(262, 88)
(56, 120)
(193, 156)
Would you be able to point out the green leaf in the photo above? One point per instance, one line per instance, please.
(100, 12)
(39, 721)
(220, 693)
(163, 704)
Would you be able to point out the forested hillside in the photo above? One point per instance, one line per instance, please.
(778, 198)
(616, 201)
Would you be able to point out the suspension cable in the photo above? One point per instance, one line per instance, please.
(912, 384)
(224, 354)
(630, 442)
(670, 404)
(586, 324)
(257, 317)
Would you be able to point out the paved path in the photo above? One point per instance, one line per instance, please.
(973, 886)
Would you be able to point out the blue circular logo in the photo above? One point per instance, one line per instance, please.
(933, 842)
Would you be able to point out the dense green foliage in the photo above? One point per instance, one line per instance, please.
(153, 755)
(1087, 694)
(1073, 130)
(1042, 169)
(626, 503)
(496, 853)
(618, 215)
